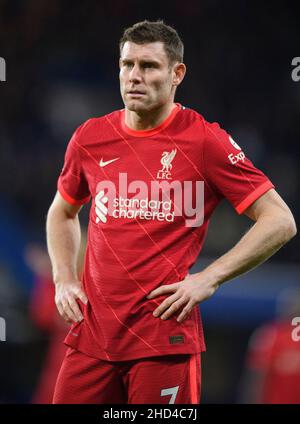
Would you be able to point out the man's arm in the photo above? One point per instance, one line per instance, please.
(274, 226)
(63, 240)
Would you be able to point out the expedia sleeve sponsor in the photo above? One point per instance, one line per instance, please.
(228, 172)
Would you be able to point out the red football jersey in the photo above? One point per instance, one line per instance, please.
(153, 193)
(274, 353)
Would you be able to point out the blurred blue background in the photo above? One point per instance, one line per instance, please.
(62, 68)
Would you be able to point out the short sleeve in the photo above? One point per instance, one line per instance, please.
(229, 172)
(72, 183)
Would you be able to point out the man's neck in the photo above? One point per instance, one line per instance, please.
(152, 119)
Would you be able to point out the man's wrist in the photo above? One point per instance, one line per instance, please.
(64, 276)
(211, 277)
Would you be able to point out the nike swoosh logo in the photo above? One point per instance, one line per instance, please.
(102, 163)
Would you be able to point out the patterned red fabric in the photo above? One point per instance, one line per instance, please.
(129, 256)
(156, 380)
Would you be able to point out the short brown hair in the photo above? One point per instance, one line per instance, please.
(151, 32)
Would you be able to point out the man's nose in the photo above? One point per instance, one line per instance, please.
(135, 74)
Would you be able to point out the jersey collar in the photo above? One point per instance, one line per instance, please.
(151, 131)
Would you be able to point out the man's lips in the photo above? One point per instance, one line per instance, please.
(136, 93)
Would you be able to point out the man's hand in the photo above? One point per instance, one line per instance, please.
(186, 293)
(66, 294)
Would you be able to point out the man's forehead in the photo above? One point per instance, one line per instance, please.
(148, 51)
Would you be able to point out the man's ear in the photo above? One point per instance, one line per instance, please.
(179, 71)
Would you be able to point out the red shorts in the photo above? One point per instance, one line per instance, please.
(162, 380)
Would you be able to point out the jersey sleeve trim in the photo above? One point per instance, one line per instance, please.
(259, 191)
(68, 198)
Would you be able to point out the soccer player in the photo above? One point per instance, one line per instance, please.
(154, 171)
(272, 365)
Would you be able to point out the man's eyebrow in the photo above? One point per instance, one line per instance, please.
(142, 61)
(152, 61)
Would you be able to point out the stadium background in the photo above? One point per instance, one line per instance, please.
(62, 59)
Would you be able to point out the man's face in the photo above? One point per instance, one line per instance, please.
(146, 78)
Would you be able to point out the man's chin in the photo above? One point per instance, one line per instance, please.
(136, 106)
